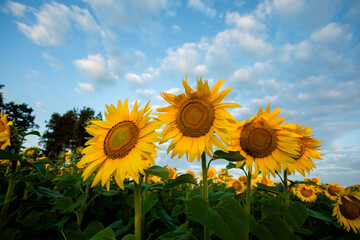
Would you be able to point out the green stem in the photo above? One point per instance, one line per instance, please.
(248, 192)
(286, 188)
(137, 204)
(9, 193)
(205, 194)
(83, 207)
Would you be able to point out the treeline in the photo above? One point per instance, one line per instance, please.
(63, 132)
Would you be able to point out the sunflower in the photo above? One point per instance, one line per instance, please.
(347, 210)
(266, 141)
(191, 173)
(153, 178)
(238, 185)
(264, 180)
(193, 117)
(119, 143)
(5, 131)
(306, 193)
(332, 191)
(172, 172)
(211, 174)
(309, 147)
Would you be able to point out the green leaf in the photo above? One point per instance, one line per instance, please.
(299, 213)
(177, 210)
(63, 203)
(79, 201)
(227, 219)
(158, 171)
(128, 237)
(181, 233)
(8, 234)
(105, 192)
(182, 179)
(73, 232)
(31, 219)
(7, 155)
(93, 228)
(148, 202)
(36, 133)
(217, 196)
(105, 234)
(261, 232)
(266, 188)
(61, 223)
(46, 192)
(276, 224)
(318, 215)
(39, 167)
(230, 165)
(230, 156)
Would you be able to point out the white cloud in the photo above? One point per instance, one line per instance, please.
(54, 21)
(332, 35)
(40, 105)
(54, 62)
(134, 78)
(250, 74)
(264, 101)
(246, 22)
(18, 9)
(174, 91)
(123, 13)
(85, 88)
(200, 6)
(145, 92)
(96, 68)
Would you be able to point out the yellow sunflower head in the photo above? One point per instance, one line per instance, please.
(306, 192)
(238, 185)
(211, 174)
(264, 180)
(194, 117)
(347, 210)
(153, 178)
(119, 143)
(172, 172)
(265, 141)
(5, 131)
(243, 179)
(333, 190)
(309, 147)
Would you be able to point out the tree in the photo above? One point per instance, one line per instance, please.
(66, 132)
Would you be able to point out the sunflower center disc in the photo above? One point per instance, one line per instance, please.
(195, 118)
(333, 190)
(258, 140)
(306, 192)
(121, 139)
(2, 127)
(350, 209)
(236, 185)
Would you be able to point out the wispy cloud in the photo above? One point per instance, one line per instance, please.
(54, 62)
(85, 88)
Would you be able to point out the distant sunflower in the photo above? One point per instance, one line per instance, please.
(306, 193)
(333, 190)
(264, 180)
(266, 141)
(194, 117)
(211, 174)
(119, 143)
(238, 185)
(191, 173)
(5, 131)
(347, 211)
(172, 172)
(309, 147)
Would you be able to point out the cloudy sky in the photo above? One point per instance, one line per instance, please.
(302, 56)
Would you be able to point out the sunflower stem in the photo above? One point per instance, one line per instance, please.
(9, 193)
(205, 194)
(137, 204)
(248, 192)
(83, 206)
(286, 188)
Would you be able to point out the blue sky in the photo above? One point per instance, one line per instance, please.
(302, 56)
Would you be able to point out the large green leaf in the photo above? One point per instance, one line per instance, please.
(93, 228)
(229, 156)
(7, 155)
(36, 133)
(275, 224)
(266, 188)
(182, 179)
(158, 171)
(318, 215)
(63, 203)
(82, 198)
(105, 234)
(181, 233)
(227, 219)
(31, 219)
(46, 192)
(147, 203)
(73, 232)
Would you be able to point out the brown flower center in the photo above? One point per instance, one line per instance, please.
(264, 181)
(333, 190)
(236, 185)
(306, 192)
(350, 209)
(121, 139)
(258, 139)
(195, 118)
(2, 126)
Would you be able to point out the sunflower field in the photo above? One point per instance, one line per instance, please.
(112, 187)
